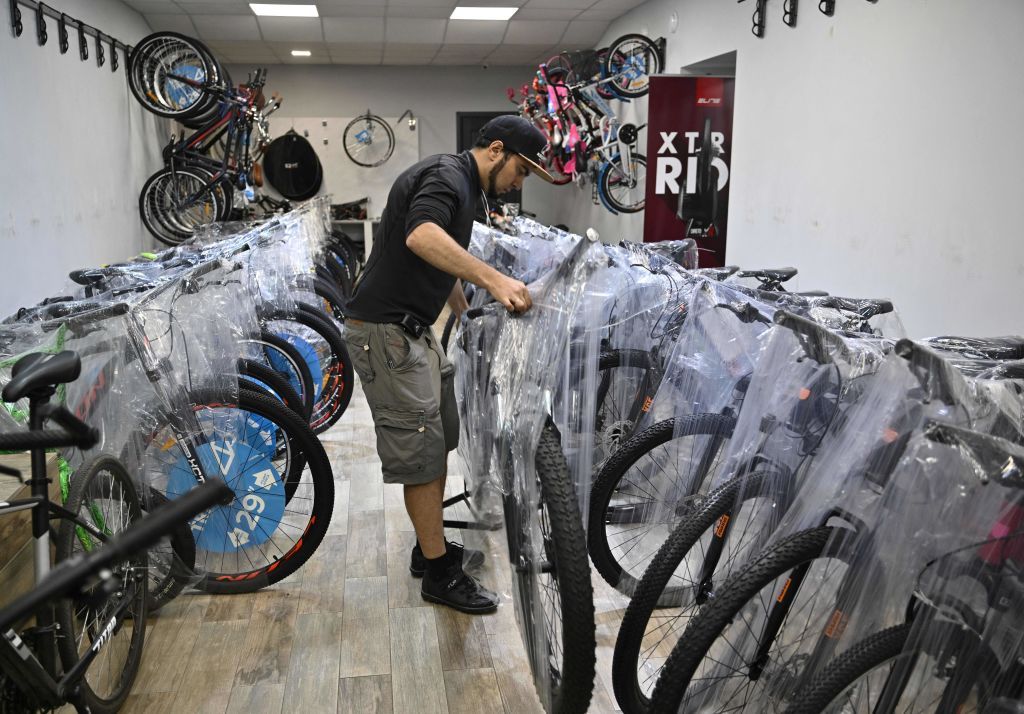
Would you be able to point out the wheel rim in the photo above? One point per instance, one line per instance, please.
(107, 507)
(262, 525)
(368, 142)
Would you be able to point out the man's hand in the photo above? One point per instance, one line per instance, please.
(510, 292)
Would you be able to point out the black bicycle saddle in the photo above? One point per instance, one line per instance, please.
(778, 275)
(39, 372)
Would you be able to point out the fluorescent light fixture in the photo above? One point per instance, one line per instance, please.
(280, 10)
(483, 13)
(301, 53)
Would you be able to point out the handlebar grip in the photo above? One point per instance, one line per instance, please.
(81, 320)
(88, 436)
(43, 439)
(68, 576)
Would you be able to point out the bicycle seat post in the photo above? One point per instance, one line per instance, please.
(40, 488)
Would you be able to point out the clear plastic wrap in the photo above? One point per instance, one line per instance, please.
(888, 494)
(521, 376)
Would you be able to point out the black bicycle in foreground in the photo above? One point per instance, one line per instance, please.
(86, 607)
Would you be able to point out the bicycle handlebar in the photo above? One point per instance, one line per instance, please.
(47, 439)
(69, 576)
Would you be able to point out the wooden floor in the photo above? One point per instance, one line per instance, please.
(349, 631)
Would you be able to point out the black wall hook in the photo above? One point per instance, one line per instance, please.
(83, 46)
(101, 57)
(16, 19)
(789, 12)
(759, 19)
(62, 34)
(113, 54)
(827, 7)
(41, 24)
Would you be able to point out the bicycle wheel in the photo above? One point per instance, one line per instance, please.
(368, 140)
(102, 494)
(281, 356)
(169, 73)
(719, 663)
(166, 211)
(626, 381)
(678, 581)
(630, 62)
(564, 663)
(646, 488)
(275, 383)
(337, 380)
(278, 517)
(885, 672)
(171, 561)
(623, 187)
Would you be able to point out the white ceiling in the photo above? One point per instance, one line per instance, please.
(392, 32)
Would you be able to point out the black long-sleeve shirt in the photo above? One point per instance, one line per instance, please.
(441, 189)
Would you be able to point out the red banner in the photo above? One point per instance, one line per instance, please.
(677, 108)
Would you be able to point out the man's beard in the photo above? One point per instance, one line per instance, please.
(492, 176)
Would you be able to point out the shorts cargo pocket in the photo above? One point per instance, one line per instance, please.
(409, 443)
(449, 408)
(358, 344)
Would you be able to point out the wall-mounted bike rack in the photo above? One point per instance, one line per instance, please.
(789, 13)
(43, 11)
(828, 7)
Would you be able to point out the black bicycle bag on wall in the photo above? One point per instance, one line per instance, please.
(292, 167)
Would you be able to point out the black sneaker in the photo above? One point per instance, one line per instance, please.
(469, 558)
(459, 591)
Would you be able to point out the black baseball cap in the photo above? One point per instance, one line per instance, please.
(522, 137)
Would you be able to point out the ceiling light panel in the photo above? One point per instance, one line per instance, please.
(279, 10)
(483, 13)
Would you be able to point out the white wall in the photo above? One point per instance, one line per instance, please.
(76, 148)
(880, 151)
(434, 94)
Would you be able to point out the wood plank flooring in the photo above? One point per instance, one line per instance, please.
(349, 631)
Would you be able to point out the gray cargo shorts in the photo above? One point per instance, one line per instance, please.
(409, 384)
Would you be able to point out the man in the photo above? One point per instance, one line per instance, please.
(419, 260)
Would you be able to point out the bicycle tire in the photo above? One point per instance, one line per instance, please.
(608, 175)
(142, 87)
(339, 380)
(298, 374)
(611, 429)
(612, 65)
(310, 528)
(331, 300)
(171, 562)
(702, 632)
(449, 329)
(653, 592)
(278, 385)
(566, 548)
(610, 480)
(876, 650)
(84, 489)
(168, 224)
(371, 121)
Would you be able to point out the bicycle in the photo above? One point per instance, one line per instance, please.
(190, 434)
(105, 581)
(547, 549)
(959, 648)
(102, 501)
(196, 188)
(791, 625)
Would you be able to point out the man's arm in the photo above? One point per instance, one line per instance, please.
(431, 243)
(457, 300)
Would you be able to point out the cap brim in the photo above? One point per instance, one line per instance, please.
(538, 169)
